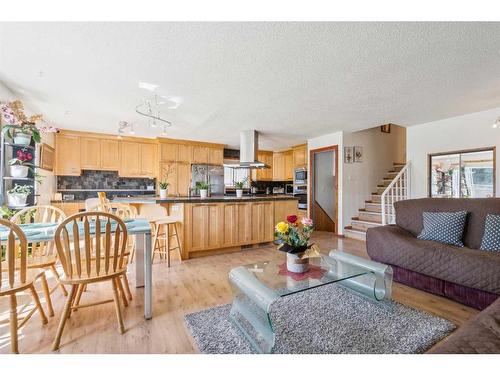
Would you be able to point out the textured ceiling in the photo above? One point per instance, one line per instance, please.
(290, 81)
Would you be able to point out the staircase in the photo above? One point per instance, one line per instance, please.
(393, 188)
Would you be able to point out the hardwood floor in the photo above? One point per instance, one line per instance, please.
(186, 287)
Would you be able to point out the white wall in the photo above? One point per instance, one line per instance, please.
(326, 141)
(380, 150)
(470, 131)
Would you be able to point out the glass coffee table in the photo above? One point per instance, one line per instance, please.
(256, 286)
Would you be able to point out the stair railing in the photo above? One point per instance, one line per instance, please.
(397, 190)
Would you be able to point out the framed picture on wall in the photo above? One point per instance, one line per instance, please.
(348, 154)
(47, 155)
(358, 154)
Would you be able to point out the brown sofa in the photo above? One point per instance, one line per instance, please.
(465, 274)
(481, 334)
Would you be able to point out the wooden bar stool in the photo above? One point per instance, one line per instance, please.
(164, 230)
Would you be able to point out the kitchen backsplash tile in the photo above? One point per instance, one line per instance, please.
(103, 180)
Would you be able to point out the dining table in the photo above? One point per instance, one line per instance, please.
(140, 228)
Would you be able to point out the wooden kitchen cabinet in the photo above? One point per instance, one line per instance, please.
(137, 159)
(300, 156)
(168, 152)
(130, 159)
(183, 178)
(262, 221)
(90, 153)
(244, 223)
(204, 226)
(215, 156)
(110, 155)
(284, 208)
(278, 166)
(184, 153)
(67, 155)
(148, 159)
(289, 169)
(200, 155)
(266, 174)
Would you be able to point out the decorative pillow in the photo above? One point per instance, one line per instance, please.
(445, 227)
(491, 237)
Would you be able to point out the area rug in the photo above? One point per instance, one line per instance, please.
(328, 319)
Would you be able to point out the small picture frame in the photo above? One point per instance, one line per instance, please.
(385, 128)
(348, 154)
(47, 157)
(358, 154)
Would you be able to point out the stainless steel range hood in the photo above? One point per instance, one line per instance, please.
(249, 148)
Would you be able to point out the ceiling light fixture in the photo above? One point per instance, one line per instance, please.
(164, 132)
(132, 129)
(146, 109)
(496, 124)
(148, 86)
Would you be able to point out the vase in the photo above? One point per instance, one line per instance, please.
(295, 264)
(19, 171)
(203, 193)
(16, 199)
(22, 139)
(163, 193)
(239, 193)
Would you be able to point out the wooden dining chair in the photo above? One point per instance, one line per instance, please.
(92, 248)
(124, 212)
(15, 277)
(43, 254)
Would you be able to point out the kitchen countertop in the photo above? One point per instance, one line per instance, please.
(213, 199)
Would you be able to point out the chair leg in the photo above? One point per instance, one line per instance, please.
(155, 241)
(46, 292)
(78, 296)
(178, 242)
(38, 305)
(13, 324)
(121, 291)
(64, 317)
(56, 275)
(167, 243)
(127, 287)
(116, 298)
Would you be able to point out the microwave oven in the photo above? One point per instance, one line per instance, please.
(300, 176)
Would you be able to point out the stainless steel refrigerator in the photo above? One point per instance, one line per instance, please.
(213, 174)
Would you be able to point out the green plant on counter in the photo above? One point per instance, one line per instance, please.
(240, 184)
(164, 185)
(203, 185)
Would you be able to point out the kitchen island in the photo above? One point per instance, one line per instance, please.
(220, 223)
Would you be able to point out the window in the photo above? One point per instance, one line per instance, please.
(462, 174)
(232, 175)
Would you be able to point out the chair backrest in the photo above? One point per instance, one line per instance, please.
(123, 211)
(13, 242)
(39, 214)
(91, 244)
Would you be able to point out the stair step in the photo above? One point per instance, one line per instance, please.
(373, 207)
(375, 217)
(363, 225)
(349, 232)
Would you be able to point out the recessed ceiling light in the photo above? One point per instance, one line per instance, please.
(148, 86)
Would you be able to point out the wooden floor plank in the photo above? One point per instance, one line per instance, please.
(186, 287)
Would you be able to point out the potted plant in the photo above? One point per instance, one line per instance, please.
(21, 164)
(203, 188)
(21, 134)
(239, 187)
(16, 197)
(293, 238)
(163, 189)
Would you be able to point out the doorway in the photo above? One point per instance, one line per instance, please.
(323, 200)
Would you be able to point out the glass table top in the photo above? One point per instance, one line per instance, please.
(322, 270)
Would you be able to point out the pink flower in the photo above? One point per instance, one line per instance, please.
(307, 222)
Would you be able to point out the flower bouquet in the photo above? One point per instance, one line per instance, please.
(293, 238)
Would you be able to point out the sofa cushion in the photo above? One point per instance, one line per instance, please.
(491, 238)
(464, 266)
(409, 214)
(481, 334)
(444, 227)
